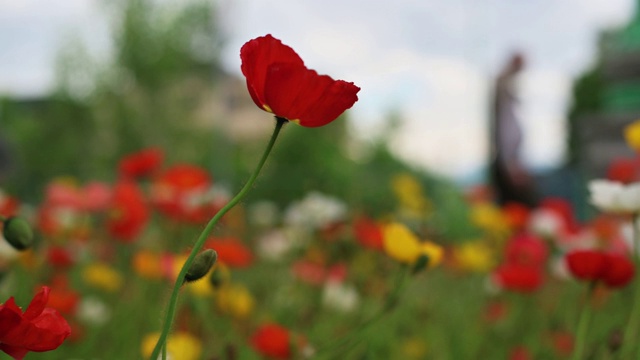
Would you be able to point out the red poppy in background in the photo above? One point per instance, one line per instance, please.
(272, 340)
(8, 205)
(60, 257)
(180, 193)
(619, 271)
(526, 250)
(368, 233)
(231, 252)
(518, 278)
(517, 215)
(96, 196)
(587, 264)
(280, 83)
(614, 270)
(39, 328)
(624, 170)
(128, 212)
(142, 163)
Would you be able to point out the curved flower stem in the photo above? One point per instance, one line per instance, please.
(173, 301)
(390, 303)
(631, 331)
(583, 325)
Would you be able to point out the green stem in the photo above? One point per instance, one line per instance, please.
(631, 331)
(390, 303)
(583, 325)
(173, 301)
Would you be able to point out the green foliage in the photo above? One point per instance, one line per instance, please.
(151, 94)
(587, 99)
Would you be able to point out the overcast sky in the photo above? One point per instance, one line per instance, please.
(431, 60)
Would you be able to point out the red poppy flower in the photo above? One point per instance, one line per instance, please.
(128, 213)
(280, 83)
(619, 271)
(39, 328)
(8, 205)
(231, 252)
(586, 264)
(518, 278)
(272, 340)
(624, 170)
(526, 250)
(60, 257)
(141, 164)
(368, 233)
(180, 193)
(517, 215)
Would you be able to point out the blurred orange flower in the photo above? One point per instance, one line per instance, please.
(231, 252)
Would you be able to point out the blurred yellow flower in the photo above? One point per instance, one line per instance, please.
(102, 276)
(402, 245)
(235, 300)
(409, 192)
(180, 346)
(434, 251)
(474, 256)
(201, 287)
(632, 135)
(178, 263)
(490, 218)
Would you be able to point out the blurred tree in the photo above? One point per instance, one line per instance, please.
(154, 91)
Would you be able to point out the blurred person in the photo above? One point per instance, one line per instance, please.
(510, 179)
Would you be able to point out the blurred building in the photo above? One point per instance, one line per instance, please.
(606, 99)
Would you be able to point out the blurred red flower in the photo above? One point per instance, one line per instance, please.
(128, 212)
(368, 233)
(142, 163)
(615, 270)
(586, 264)
(517, 215)
(180, 193)
(231, 252)
(280, 83)
(526, 250)
(619, 271)
(39, 328)
(8, 205)
(519, 278)
(624, 170)
(272, 340)
(60, 257)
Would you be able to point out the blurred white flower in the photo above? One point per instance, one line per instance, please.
(615, 197)
(545, 223)
(93, 311)
(558, 267)
(263, 213)
(315, 211)
(340, 296)
(274, 245)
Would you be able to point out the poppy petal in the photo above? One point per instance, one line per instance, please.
(256, 56)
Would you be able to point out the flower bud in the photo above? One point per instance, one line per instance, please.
(421, 263)
(18, 233)
(201, 265)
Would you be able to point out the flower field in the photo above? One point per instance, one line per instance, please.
(165, 263)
